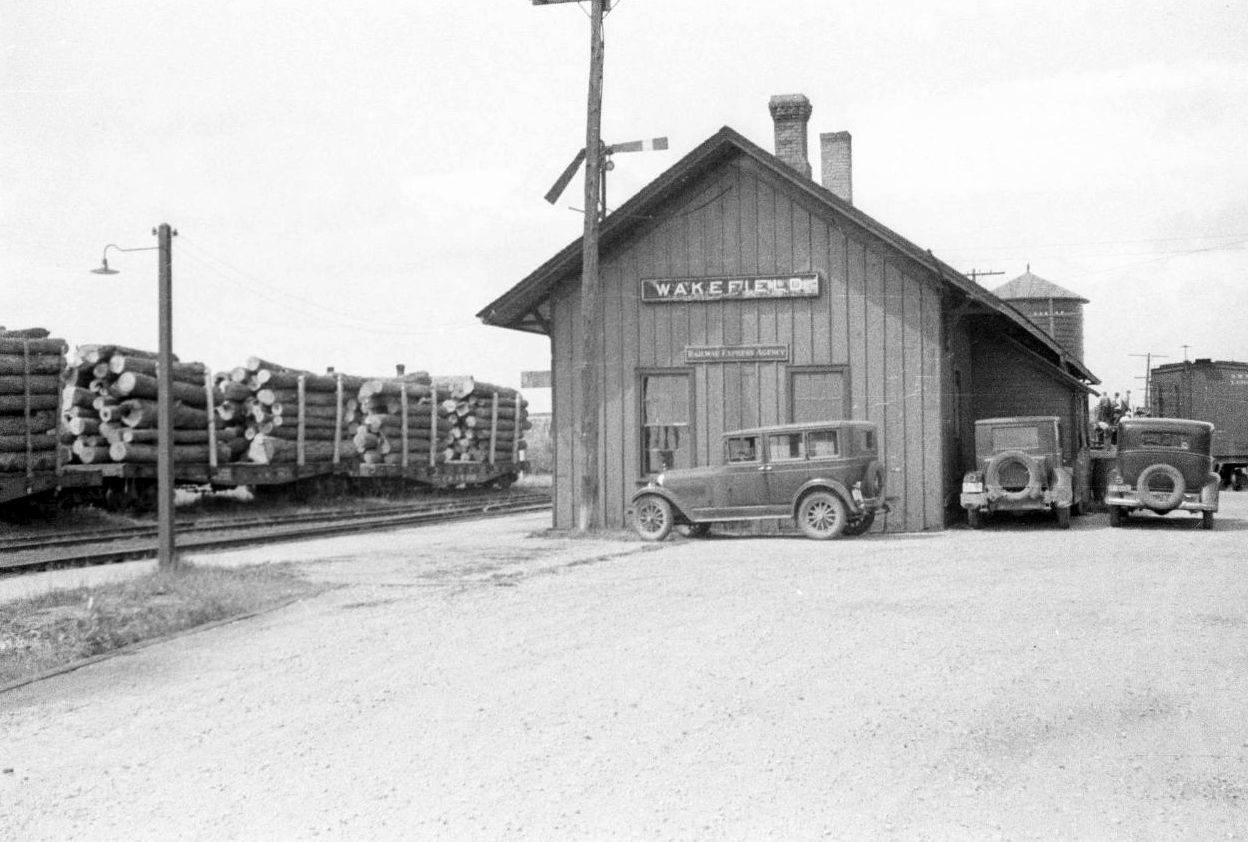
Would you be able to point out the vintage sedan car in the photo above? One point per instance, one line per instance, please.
(826, 475)
(1023, 464)
(1163, 465)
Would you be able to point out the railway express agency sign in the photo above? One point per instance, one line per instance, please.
(656, 290)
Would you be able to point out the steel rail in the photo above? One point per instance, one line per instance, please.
(276, 532)
(216, 523)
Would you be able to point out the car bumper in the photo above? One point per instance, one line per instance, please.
(1056, 498)
(1204, 502)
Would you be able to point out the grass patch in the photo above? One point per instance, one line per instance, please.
(57, 628)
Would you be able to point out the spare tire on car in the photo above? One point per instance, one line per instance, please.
(1000, 462)
(1161, 499)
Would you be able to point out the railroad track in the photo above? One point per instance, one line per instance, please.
(126, 543)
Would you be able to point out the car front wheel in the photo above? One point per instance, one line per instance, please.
(652, 518)
(821, 515)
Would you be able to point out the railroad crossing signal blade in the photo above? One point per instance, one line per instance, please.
(561, 183)
(650, 145)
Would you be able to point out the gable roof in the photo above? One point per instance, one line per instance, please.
(1028, 285)
(518, 307)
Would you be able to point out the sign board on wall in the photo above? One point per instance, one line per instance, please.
(660, 290)
(736, 354)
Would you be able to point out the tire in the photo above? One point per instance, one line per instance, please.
(992, 475)
(974, 519)
(652, 518)
(1160, 501)
(1206, 520)
(1116, 514)
(861, 525)
(873, 480)
(1063, 517)
(821, 515)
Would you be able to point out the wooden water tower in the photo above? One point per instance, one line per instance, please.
(1055, 310)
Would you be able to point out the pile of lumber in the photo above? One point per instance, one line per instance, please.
(289, 415)
(109, 408)
(30, 380)
(488, 422)
(402, 421)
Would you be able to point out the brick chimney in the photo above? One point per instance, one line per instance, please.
(791, 113)
(837, 163)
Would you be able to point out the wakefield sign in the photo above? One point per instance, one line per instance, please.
(657, 291)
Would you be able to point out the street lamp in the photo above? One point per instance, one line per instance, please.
(166, 557)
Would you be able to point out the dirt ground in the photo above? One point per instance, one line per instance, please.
(1013, 683)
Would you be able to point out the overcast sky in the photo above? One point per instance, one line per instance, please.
(352, 182)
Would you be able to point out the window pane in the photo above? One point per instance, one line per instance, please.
(743, 449)
(786, 447)
(817, 395)
(665, 423)
(822, 443)
(1015, 438)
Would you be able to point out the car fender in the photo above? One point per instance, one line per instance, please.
(659, 491)
(1062, 492)
(1209, 492)
(835, 486)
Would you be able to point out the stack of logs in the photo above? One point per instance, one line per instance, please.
(488, 422)
(30, 378)
(402, 422)
(109, 408)
(289, 415)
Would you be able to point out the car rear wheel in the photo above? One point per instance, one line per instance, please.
(1206, 520)
(861, 525)
(652, 518)
(821, 515)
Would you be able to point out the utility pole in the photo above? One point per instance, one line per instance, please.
(589, 514)
(166, 554)
(1148, 376)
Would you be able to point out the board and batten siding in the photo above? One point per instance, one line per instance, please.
(876, 317)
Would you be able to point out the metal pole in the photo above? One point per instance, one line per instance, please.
(589, 514)
(166, 556)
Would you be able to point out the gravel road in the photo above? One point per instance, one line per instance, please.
(503, 683)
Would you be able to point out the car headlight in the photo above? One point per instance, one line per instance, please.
(659, 480)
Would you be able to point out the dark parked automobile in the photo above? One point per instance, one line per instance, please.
(1163, 465)
(1023, 465)
(827, 476)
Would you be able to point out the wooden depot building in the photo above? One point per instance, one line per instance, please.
(735, 291)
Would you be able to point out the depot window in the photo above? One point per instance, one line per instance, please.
(666, 416)
(818, 393)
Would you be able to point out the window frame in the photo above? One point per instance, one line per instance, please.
(846, 388)
(688, 373)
